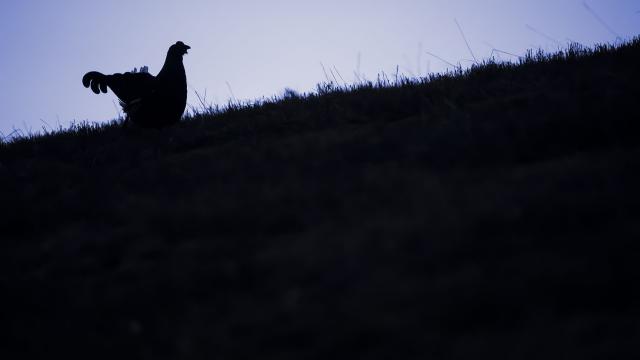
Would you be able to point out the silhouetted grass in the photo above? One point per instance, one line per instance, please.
(485, 212)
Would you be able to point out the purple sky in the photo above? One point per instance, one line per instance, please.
(254, 49)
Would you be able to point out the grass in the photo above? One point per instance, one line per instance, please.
(485, 212)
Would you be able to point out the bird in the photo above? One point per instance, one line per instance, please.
(147, 100)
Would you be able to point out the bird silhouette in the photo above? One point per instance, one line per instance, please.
(147, 100)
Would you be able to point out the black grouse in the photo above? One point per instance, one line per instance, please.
(149, 101)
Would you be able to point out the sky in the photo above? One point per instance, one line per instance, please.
(249, 49)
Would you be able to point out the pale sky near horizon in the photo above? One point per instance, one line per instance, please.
(249, 49)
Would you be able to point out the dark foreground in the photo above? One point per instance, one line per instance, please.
(489, 214)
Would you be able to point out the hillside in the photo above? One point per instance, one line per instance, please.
(491, 212)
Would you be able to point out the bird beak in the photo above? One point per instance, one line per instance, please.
(187, 47)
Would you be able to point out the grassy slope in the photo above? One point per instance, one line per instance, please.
(490, 212)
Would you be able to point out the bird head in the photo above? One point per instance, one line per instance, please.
(179, 49)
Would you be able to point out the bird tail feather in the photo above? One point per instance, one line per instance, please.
(96, 80)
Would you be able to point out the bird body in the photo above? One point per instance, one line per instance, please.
(147, 100)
